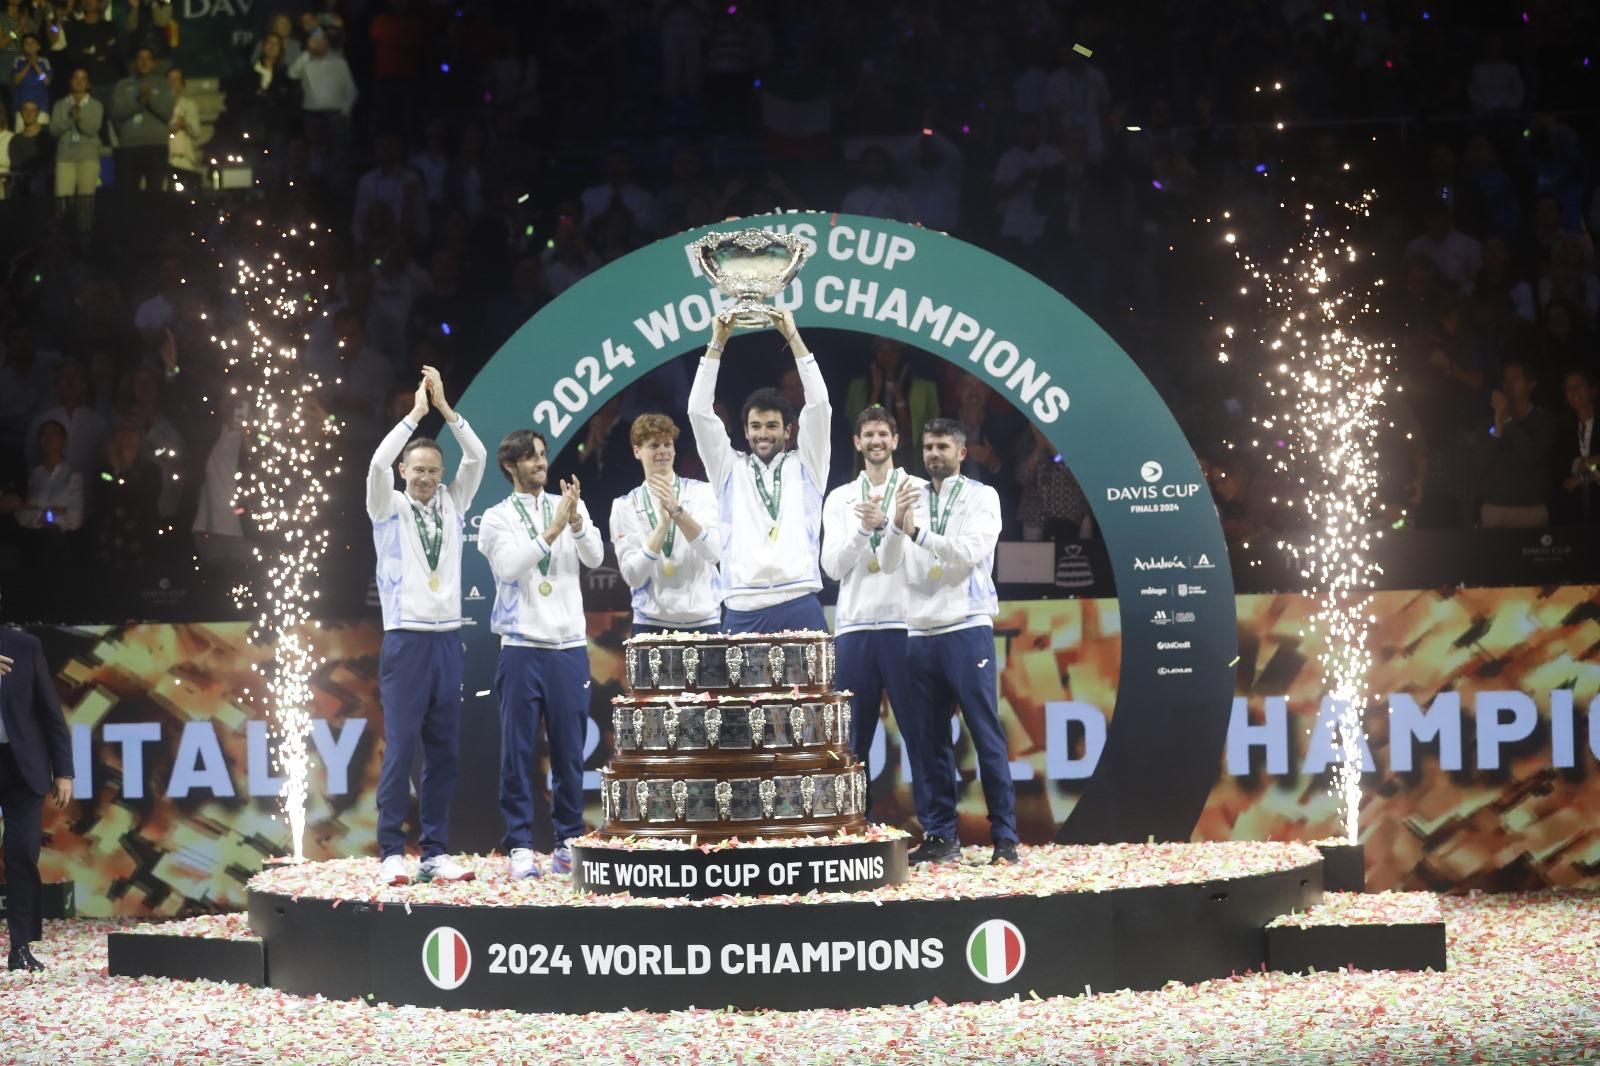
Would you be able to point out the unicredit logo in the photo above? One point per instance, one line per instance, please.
(1172, 645)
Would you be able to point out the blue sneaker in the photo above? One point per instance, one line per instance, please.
(561, 859)
(523, 863)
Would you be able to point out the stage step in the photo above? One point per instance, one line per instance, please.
(1382, 931)
(211, 948)
(56, 899)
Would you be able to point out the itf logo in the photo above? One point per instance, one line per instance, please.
(446, 958)
(995, 951)
(1151, 472)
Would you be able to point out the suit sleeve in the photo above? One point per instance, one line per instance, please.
(512, 554)
(814, 438)
(52, 725)
(634, 561)
(474, 460)
(710, 435)
(591, 546)
(963, 550)
(380, 471)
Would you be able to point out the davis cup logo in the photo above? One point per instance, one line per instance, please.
(446, 958)
(995, 951)
(1150, 471)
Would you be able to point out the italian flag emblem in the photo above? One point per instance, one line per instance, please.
(995, 951)
(446, 958)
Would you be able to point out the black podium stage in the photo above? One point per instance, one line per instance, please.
(575, 953)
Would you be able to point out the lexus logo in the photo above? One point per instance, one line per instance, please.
(1150, 471)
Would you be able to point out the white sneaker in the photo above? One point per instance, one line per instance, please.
(444, 868)
(394, 871)
(523, 863)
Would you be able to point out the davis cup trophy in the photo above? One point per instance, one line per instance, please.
(752, 266)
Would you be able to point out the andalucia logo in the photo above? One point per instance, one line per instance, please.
(446, 958)
(995, 951)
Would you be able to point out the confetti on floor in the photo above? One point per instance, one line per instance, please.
(1523, 986)
(1366, 908)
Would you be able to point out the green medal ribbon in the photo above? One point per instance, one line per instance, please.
(770, 500)
(650, 513)
(888, 494)
(936, 521)
(533, 534)
(430, 550)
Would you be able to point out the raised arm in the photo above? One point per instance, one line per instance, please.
(710, 435)
(814, 439)
(474, 456)
(380, 472)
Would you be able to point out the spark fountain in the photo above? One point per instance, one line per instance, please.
(1327, 382)
(288, 459)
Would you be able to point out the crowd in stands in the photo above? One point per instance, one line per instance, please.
(474, 162)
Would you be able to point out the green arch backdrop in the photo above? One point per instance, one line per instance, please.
(1031, 344)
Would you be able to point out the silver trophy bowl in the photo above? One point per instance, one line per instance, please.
(752, 266)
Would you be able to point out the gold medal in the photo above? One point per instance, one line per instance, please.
(668, 569)
(772, 534)
(433, 581)
(873, 566)
(936, 571)
(545, 588)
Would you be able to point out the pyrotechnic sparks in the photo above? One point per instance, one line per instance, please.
(1327, 383)
(288, 461)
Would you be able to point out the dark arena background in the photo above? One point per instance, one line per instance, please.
(1067, 225)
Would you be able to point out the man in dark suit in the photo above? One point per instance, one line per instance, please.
(35, 762)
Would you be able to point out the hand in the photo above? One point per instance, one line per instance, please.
(720, 332)
(434, 384)
(1502, 406)
(570, 495)
(870, 512)
(419, 402)
(905, 505)
(660, 486)
(61, 793)
(5, 664)
(784, 320)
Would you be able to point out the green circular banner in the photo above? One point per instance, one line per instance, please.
(1029, 343)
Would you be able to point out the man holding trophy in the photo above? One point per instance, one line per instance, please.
(769, 498)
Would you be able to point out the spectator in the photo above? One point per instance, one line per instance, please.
(1079, 96)
(448, 312)
(85, 428)
(31, 75)
(327, 96)
(161, 442)
(122, 501)
(1494, 84)
(984, 446)
(55, 491)
(31, 152)
(934, 172)
(1457, 256)
(77, 120)
(364, 375)
(688, 201)
(398, 37)
(5, 151)
(889, 383)
(159, 311)
(432, 164)
(878, 196)
(1565, 341)
(26, 379)
(396, 186)
(141, 109)
(1018, 178)
(1052, 505)
(17, 20)
(1493, 191)
(289, 46)
(1570, 280)
(619, 189)
(94, 44)
(1518, 456)
(149, 25)
(219, 534)
(185, 132)
(1578, 502)
(269, 101)
(570, 259)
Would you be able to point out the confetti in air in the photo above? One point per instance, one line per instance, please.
(287, 465)
(1326, 383)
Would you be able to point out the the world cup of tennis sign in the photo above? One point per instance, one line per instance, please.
(752, 266)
